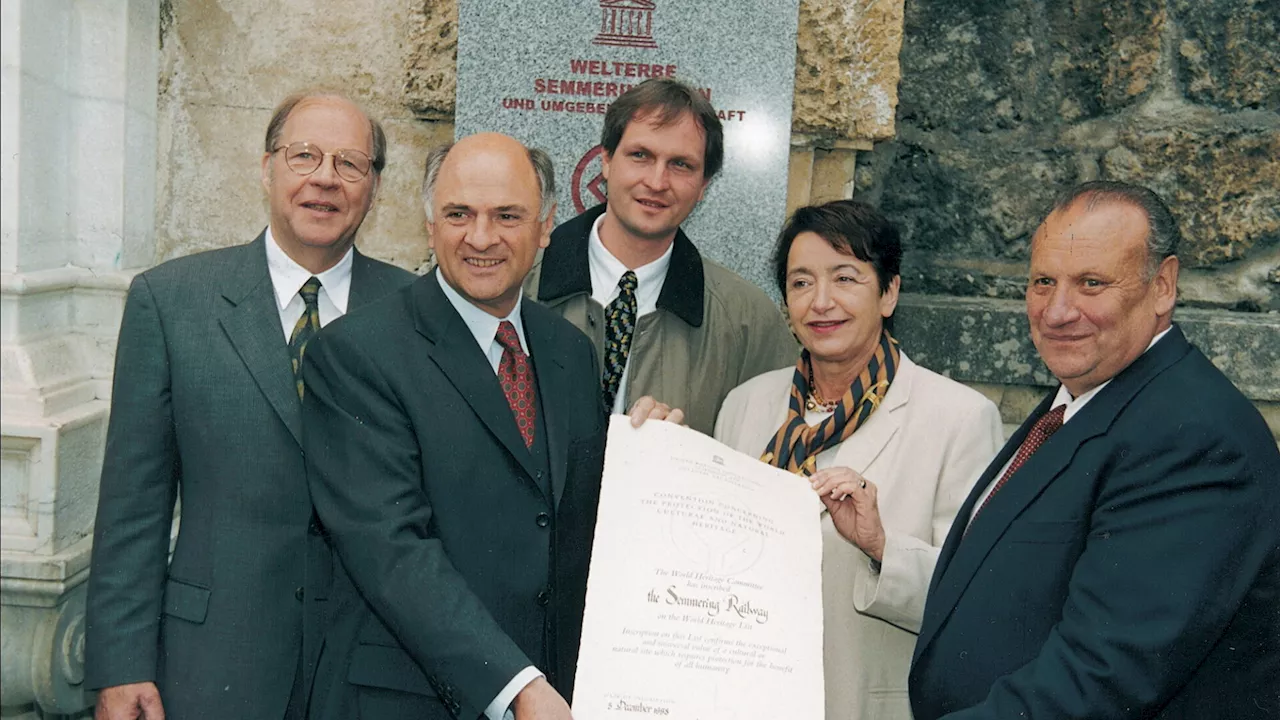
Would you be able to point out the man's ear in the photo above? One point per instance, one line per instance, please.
(1166, 285)
(547, 226)
(266, 171)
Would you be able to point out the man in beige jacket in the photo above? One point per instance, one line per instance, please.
(666, 321)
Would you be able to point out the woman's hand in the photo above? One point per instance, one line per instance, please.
(851, 500)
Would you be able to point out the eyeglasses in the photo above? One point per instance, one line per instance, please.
(304, 158)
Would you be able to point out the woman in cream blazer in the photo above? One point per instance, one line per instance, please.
(920, 451)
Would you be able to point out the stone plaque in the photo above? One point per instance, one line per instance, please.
(545, 71)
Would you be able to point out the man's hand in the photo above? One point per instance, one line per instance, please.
(646, 408)
(851, 500)
(135, 701)
(539, 701)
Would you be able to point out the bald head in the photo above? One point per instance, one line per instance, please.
(489, 209)
(499, 148)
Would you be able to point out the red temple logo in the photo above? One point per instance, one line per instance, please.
(626, 23)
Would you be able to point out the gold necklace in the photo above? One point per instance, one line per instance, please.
(815, 401)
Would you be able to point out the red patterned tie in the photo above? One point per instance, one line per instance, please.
(1047, 425)
(517, 380)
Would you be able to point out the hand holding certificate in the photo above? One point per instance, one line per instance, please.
(705, 594)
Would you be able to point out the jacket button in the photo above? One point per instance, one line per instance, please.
(299, 594)
(591, 320)
(313, 527)
(543, 520)
(544, 597)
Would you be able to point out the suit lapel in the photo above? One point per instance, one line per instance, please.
(553, 385)
(868, 441)
(361, 281)
(455, 352)
(964, 552)
(252, 324)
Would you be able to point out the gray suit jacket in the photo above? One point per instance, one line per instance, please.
(204, 408)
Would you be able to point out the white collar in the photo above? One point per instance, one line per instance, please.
(483, 326)
(288, 277)
(607, 270)
(1075, 405)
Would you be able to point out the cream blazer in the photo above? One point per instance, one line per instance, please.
(923, 448)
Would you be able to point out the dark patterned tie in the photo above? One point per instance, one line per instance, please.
(516, 376)
(1047, 425)
(620, 324)
(306, 328)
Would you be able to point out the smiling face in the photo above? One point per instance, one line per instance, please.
(485, 229)
(314, 218)
(655, 178)
(1091, 308)
(834, 302)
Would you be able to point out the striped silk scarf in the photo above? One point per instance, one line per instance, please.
(796, 445)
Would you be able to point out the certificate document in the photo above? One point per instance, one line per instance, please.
(705, 594)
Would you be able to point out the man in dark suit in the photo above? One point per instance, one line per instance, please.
(1120, 558)
(455, 440)
(206, 406)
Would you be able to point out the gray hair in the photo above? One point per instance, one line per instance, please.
(377, 138)
(542, 167)
(1162, 229)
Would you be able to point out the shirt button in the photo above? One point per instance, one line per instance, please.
(543, 520)
(299, 594)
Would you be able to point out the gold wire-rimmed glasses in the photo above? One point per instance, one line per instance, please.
(305, 158)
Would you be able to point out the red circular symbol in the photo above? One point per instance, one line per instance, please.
(588, 187)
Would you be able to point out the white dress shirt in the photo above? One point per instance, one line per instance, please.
(1074, 406)
(606, 271)
(484, 328)
(288, 277)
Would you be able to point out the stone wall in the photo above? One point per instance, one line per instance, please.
(1004, 104)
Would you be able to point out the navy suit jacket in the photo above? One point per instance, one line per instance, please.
(1130, 569)
(461, 560)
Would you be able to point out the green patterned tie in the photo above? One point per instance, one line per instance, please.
(620, 323)
(306, 328)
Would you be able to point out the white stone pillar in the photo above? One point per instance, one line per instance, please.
(77, 216)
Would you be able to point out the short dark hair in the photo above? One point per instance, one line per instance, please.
(377, 138)
(671, 99)
(851, 227)
(1162, 229)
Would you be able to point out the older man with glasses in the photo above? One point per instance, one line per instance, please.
(206, 407)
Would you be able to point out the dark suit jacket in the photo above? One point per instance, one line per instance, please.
(463, 562)
(204, 407)
(1130, 569)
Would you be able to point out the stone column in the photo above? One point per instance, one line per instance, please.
(77, 211)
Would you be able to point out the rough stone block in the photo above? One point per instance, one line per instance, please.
(799, 178)
(1222, 184)
(1228, 55)
(988, 341)
(832, 175)
(430, 70)
(847, 68)
(968, 194)
(991, 65)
